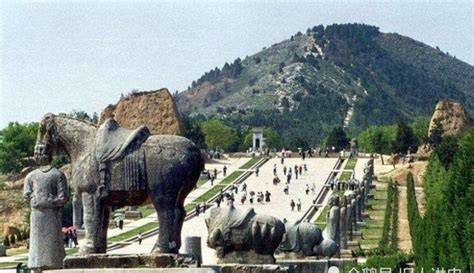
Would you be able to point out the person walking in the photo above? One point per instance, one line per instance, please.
(212, 179)
(288, 178)
(286, 189)
(224, 170)
(296, 174)
(301, 169)
(313, 188)
(244, 187)
(139, 238)
(292, 205)
(197, 209)
(298, 205)
(218, 201)
(307, 189)
(215, 172)
(257, 170)
(282, 158)
(267, 196)
(284, 170)
(204, 207)
(275, 169)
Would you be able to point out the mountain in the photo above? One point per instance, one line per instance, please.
(349, 75)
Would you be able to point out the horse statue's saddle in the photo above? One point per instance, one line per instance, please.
(121, 161)
(114, 142)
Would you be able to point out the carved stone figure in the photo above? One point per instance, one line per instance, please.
(300, 238)
(343, 224)
(46, 190)
(242, 236)
(116, 166)
(333, 229)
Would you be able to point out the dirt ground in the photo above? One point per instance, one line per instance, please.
(399, 174)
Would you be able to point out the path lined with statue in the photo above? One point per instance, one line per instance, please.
(279, 206)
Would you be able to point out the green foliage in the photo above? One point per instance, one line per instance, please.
(394, 229)
(17, 141)
(446, 149)
(377, 139)
(384, 246)
(193, 131)
(395, 262)
(420, 126)
(337, 138)
(404, 139)
(272, 138)
(444, 236)
(217, 134)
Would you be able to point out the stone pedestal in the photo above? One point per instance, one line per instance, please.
(246, 257)
(3, 251)
(134, 270)
(308, 265)
(129, 261)
(253, 268)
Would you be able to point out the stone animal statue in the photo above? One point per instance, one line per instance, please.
(116, 166)
(300, 238)
(242, 236)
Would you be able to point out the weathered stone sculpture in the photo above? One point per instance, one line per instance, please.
(242, 236)
(116, 166)
(343, 223)
(300, 239)
(333, 231)
(46, 190)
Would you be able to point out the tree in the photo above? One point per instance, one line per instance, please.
(420, 128)
(217, 134)
(193, 131)
(404, 139)
(272, 138)
(446, 150)
(337, 138)
(17, 142)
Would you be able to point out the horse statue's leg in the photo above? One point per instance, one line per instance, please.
(77, 215)
(96, 223)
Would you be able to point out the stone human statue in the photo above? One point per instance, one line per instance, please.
(46, 190)
(332, 223)
(343, 224)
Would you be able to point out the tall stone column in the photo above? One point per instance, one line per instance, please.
(343, 224)
(192, 246)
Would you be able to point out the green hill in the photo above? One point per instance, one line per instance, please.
(347, 75)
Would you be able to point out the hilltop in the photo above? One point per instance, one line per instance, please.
(349, 75)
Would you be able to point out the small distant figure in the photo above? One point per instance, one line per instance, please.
(292, 205)
(286, 189)
(305, 167)
(298, 205)
(197, 209)
(212, 179)
(276, 180)
(204, 207)
(282, 158)
(215, 173)
(243, 197)
(313, 189)
(303, 155)
(140, 238)
(209, 175)
(288, 178)
(301, 170)
(218, 201)
(267, 196)
(284, 170)
(274, 169)
(244, 187)
(224, 170)
(307, 189)
(257, 170)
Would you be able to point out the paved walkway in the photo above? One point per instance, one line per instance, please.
(318, 171)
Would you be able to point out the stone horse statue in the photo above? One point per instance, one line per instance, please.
(113, 166)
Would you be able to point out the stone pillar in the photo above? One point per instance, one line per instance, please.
(353, 216)
(333, 220)
(192, 246)
(77, 216)
(359, 207)
(3, 251)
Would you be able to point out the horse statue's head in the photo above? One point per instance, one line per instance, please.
(46, 139)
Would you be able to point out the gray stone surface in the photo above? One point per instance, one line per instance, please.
(3, 251)
(192, 246)
(251, 268)
(46, 190)
(242, 236)
(305, 266)
(173, 165)
(129, 261)
(300, 238)
(135, 270)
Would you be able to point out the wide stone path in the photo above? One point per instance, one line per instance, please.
(318, 171)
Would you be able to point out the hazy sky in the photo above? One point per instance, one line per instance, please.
(56, 57)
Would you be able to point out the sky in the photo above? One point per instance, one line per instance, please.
(63, 56)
